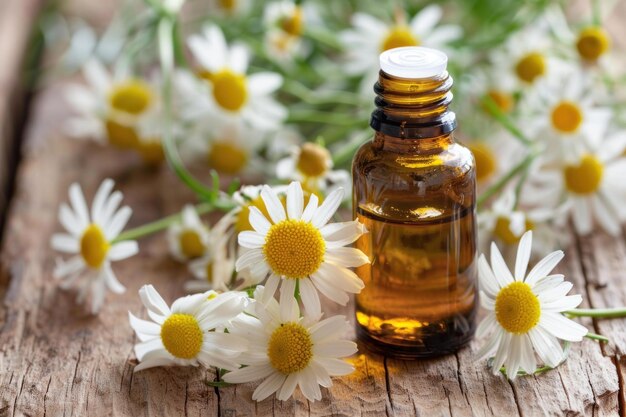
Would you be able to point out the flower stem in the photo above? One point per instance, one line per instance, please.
(158, 225)
(597, 337)
(505, 121)
(599, 313)
(502, 182)
(166, 54)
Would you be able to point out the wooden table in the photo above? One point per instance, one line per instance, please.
(57, 360)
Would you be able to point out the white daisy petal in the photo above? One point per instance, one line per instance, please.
(258, 221)
(295, 200)
(310, 209)
(288, 387)
(78, 204)
(65, 243)
(346, 257)
(250, 259)
(310, 298)
(561, 327)
(328, 208)
(272, 203)
(248, 374)
(69, 220)
(424, 22)
(500, 270)
(117, 222)
(490, 346)
(487, 280)
(523, 255)
(264, 83)
(268, 387)
(543, 267)
(99, 200)
(123, 250)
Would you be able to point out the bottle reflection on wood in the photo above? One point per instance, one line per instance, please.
(414, 189)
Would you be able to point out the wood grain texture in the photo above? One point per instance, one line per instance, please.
(55, 359)
(17, 18)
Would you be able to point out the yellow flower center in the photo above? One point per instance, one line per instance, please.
(592, 43)
(182, 336)
(133, 96)
(227, 158)
(191, 244)
(584, 178)
(531, 66)
(294, 248)
(229, 89)
(293, 24)
(517, 308)
(121, 135)
(397, 37)
(503, 100)
(209, 274)
(503, 230)
(290, 348)
(313, 160)
(486, 163)
(567, 117)
(228, 4)
(94, 246)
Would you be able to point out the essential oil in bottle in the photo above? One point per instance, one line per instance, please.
(415, 191)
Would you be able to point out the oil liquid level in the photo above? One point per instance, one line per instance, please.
(419, 298)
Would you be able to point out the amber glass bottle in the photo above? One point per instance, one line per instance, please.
(415, 189)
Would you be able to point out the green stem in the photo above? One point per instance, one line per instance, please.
(296, 293)
(315, 98)
(166, 55)
(597, 337)
(158, 225)
(599, 313)
(505, 121)
(320, 117)
(597, 14)
(502, 182)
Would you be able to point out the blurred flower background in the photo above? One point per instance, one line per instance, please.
(275, 91)
(258, 108)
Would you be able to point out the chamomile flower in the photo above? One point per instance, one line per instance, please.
(527, 56)
(563, 112)
(590, 43)
(592, 186)
(285, 22)
(299, 247)
(525, 311)
(215, 269)
(370, 36)
(229, 8)
(90, 238)
(288, 351)
(250, 196)
(311, 164)
(506, 224)
(112, 108)
(231, 94)
(228, 148)
(188, 238)
(185, 334)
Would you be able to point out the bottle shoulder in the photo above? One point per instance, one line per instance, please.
(374, 155)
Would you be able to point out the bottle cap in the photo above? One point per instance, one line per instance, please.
(413, 62)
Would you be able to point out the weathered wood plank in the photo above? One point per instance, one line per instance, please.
(57, 359)
(17, 18)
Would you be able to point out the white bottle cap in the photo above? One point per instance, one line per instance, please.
(413, 62)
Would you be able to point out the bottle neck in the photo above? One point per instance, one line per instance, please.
(413, 108)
